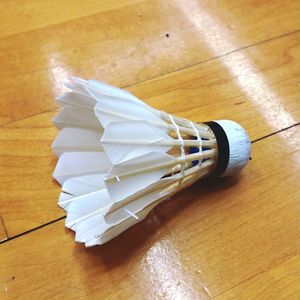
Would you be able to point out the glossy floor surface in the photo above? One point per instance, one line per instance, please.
(236, 238)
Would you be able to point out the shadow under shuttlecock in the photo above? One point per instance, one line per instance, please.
(140, 237)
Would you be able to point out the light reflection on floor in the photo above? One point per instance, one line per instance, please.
(163, 270)
(220, 40)
(58, 75)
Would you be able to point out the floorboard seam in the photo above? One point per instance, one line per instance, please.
(63, 217)
(31, 230)
(258, 274)
(172, 72)
(215, 57)
(273, 133)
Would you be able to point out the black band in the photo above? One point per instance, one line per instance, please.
(223, 147)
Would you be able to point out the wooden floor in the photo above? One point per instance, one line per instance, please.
(203, 60)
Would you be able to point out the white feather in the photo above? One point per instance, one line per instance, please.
(108, 232)
(77, 139)
(74, 164)
(77, 99)
(112, 109)
(63, 200)
(88, 230)
(71, 116)
(97, 89)
(122, 184)
(83, 207)
(77, 85)
(84, 184)
(129, 139)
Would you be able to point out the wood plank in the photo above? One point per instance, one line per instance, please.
(27, 191)
(32, 14)
(280, 282)
(121, 45)
(204, 241)
(267, 101)
(257, 87)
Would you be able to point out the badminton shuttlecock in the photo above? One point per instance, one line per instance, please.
(119, 157)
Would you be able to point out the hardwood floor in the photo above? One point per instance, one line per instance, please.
(202, 60)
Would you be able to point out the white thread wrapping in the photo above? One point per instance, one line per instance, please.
(199, 140)
(181, 149)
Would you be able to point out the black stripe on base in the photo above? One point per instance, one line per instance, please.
(223, 147)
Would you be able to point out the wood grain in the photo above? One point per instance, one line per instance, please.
(204, 241)
(44, 43)
(27, 191)
(280, 282)
(32, 15)
(266, 103)
(221, 238)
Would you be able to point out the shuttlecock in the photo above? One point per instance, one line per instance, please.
(119, 157)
